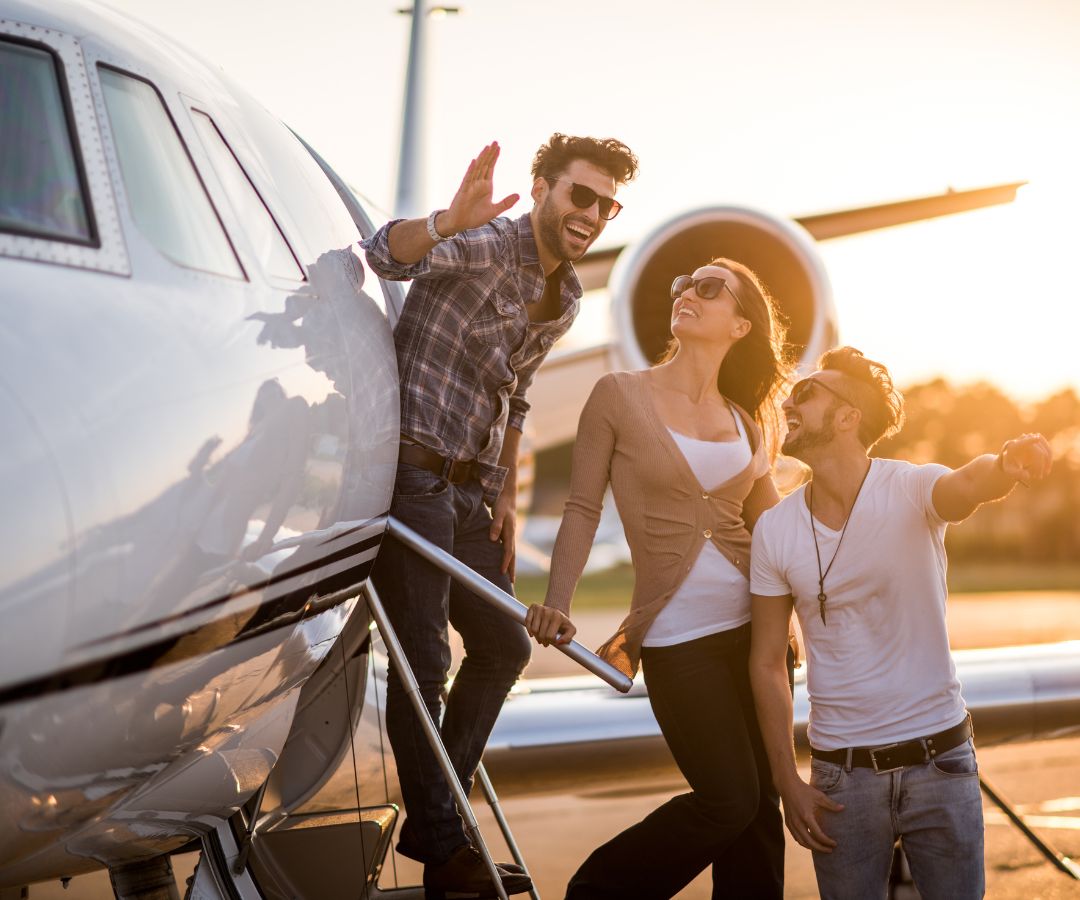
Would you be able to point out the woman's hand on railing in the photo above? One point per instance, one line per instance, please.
(549, 625)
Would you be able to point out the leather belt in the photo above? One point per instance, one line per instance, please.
(890, 757)
(453, 470)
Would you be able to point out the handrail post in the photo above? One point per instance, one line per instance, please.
(504, 826)
(431, 731)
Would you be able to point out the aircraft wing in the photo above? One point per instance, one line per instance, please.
(601, 737)
(596, 267)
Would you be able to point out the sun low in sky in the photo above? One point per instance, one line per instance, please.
(789, 107)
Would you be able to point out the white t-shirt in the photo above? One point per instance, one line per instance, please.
(879, 670)
(714, 596)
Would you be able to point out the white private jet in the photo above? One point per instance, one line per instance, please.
(198, 398)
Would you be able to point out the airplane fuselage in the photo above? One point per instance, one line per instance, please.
(197, 384)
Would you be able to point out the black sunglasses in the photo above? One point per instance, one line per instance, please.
(803, 390)
(583, 197)
(707, 288)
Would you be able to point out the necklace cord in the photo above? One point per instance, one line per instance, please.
(822, 596)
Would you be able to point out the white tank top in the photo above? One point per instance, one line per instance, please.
(715, 596)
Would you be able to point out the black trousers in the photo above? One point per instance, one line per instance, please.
(700, 693)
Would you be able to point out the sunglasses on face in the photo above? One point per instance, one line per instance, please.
(707, 288)
(583, 197)
(804, 390)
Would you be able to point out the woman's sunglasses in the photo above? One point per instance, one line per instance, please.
(583, 197)
(707, 288)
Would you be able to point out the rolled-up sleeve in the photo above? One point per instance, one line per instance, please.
(465, 255)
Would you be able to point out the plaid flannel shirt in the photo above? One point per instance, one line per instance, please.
(466, 349)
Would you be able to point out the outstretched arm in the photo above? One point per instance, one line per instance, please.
(772, 700)
(471, 207)
(959, 493)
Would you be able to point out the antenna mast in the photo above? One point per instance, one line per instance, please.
(410, 200)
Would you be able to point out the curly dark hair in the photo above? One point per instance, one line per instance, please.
(613, 156)
(869, 383)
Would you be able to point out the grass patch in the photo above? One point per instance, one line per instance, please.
(613, 589)
(600, 590)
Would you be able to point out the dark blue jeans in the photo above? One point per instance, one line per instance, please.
(421, 602)
(730, 819)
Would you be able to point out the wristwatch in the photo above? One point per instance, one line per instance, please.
(432, 231)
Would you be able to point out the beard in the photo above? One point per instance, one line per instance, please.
(805, 440)
(551, 233)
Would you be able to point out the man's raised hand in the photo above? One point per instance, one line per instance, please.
(472, 205)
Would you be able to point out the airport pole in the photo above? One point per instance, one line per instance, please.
(485, 590)
(431, 731)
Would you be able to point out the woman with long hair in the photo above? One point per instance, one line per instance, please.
(687, 448)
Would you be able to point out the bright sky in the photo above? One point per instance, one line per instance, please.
(787, 106)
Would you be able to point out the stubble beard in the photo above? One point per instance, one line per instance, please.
(807, 440)
(551, 233)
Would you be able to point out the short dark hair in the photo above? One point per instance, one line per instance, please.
(613, 156)
(881, 404)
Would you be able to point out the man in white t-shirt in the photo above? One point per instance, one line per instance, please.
(858, 551)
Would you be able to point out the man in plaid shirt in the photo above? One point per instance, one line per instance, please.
(490, 296)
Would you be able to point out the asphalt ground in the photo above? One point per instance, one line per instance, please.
(557, 832)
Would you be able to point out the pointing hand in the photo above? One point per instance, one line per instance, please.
(1026, 458)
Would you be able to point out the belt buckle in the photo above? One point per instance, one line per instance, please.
(873, 751)
(457, 471)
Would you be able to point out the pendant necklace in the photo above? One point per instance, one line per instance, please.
(822, 596)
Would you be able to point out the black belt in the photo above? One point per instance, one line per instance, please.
(453, 470)
(895, 756)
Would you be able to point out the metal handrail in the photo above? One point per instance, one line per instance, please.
(431, 731)
(501, 600)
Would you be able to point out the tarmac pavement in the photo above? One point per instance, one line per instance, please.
(557, 832)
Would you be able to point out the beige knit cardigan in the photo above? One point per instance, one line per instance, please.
(666, 514)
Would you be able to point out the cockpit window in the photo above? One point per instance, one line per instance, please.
(42, 193)
(167, 199)
(267, 240)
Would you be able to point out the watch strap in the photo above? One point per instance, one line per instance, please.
(432, 231)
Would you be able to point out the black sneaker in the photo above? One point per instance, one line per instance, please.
(464, 876)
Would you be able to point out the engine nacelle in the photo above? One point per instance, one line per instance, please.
(780, 251)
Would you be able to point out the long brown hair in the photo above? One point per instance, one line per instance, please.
(757, 369)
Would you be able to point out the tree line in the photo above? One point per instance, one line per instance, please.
(951, 424)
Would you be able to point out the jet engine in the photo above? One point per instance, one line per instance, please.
(780, 251)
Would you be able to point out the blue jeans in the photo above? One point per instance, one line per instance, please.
(935, 809)
(421, 602)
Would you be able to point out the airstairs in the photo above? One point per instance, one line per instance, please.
(340, 854)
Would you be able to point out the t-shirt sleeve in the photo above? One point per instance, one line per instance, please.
(766, 579)
(919, 484)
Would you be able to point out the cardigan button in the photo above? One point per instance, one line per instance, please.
(707, 533)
